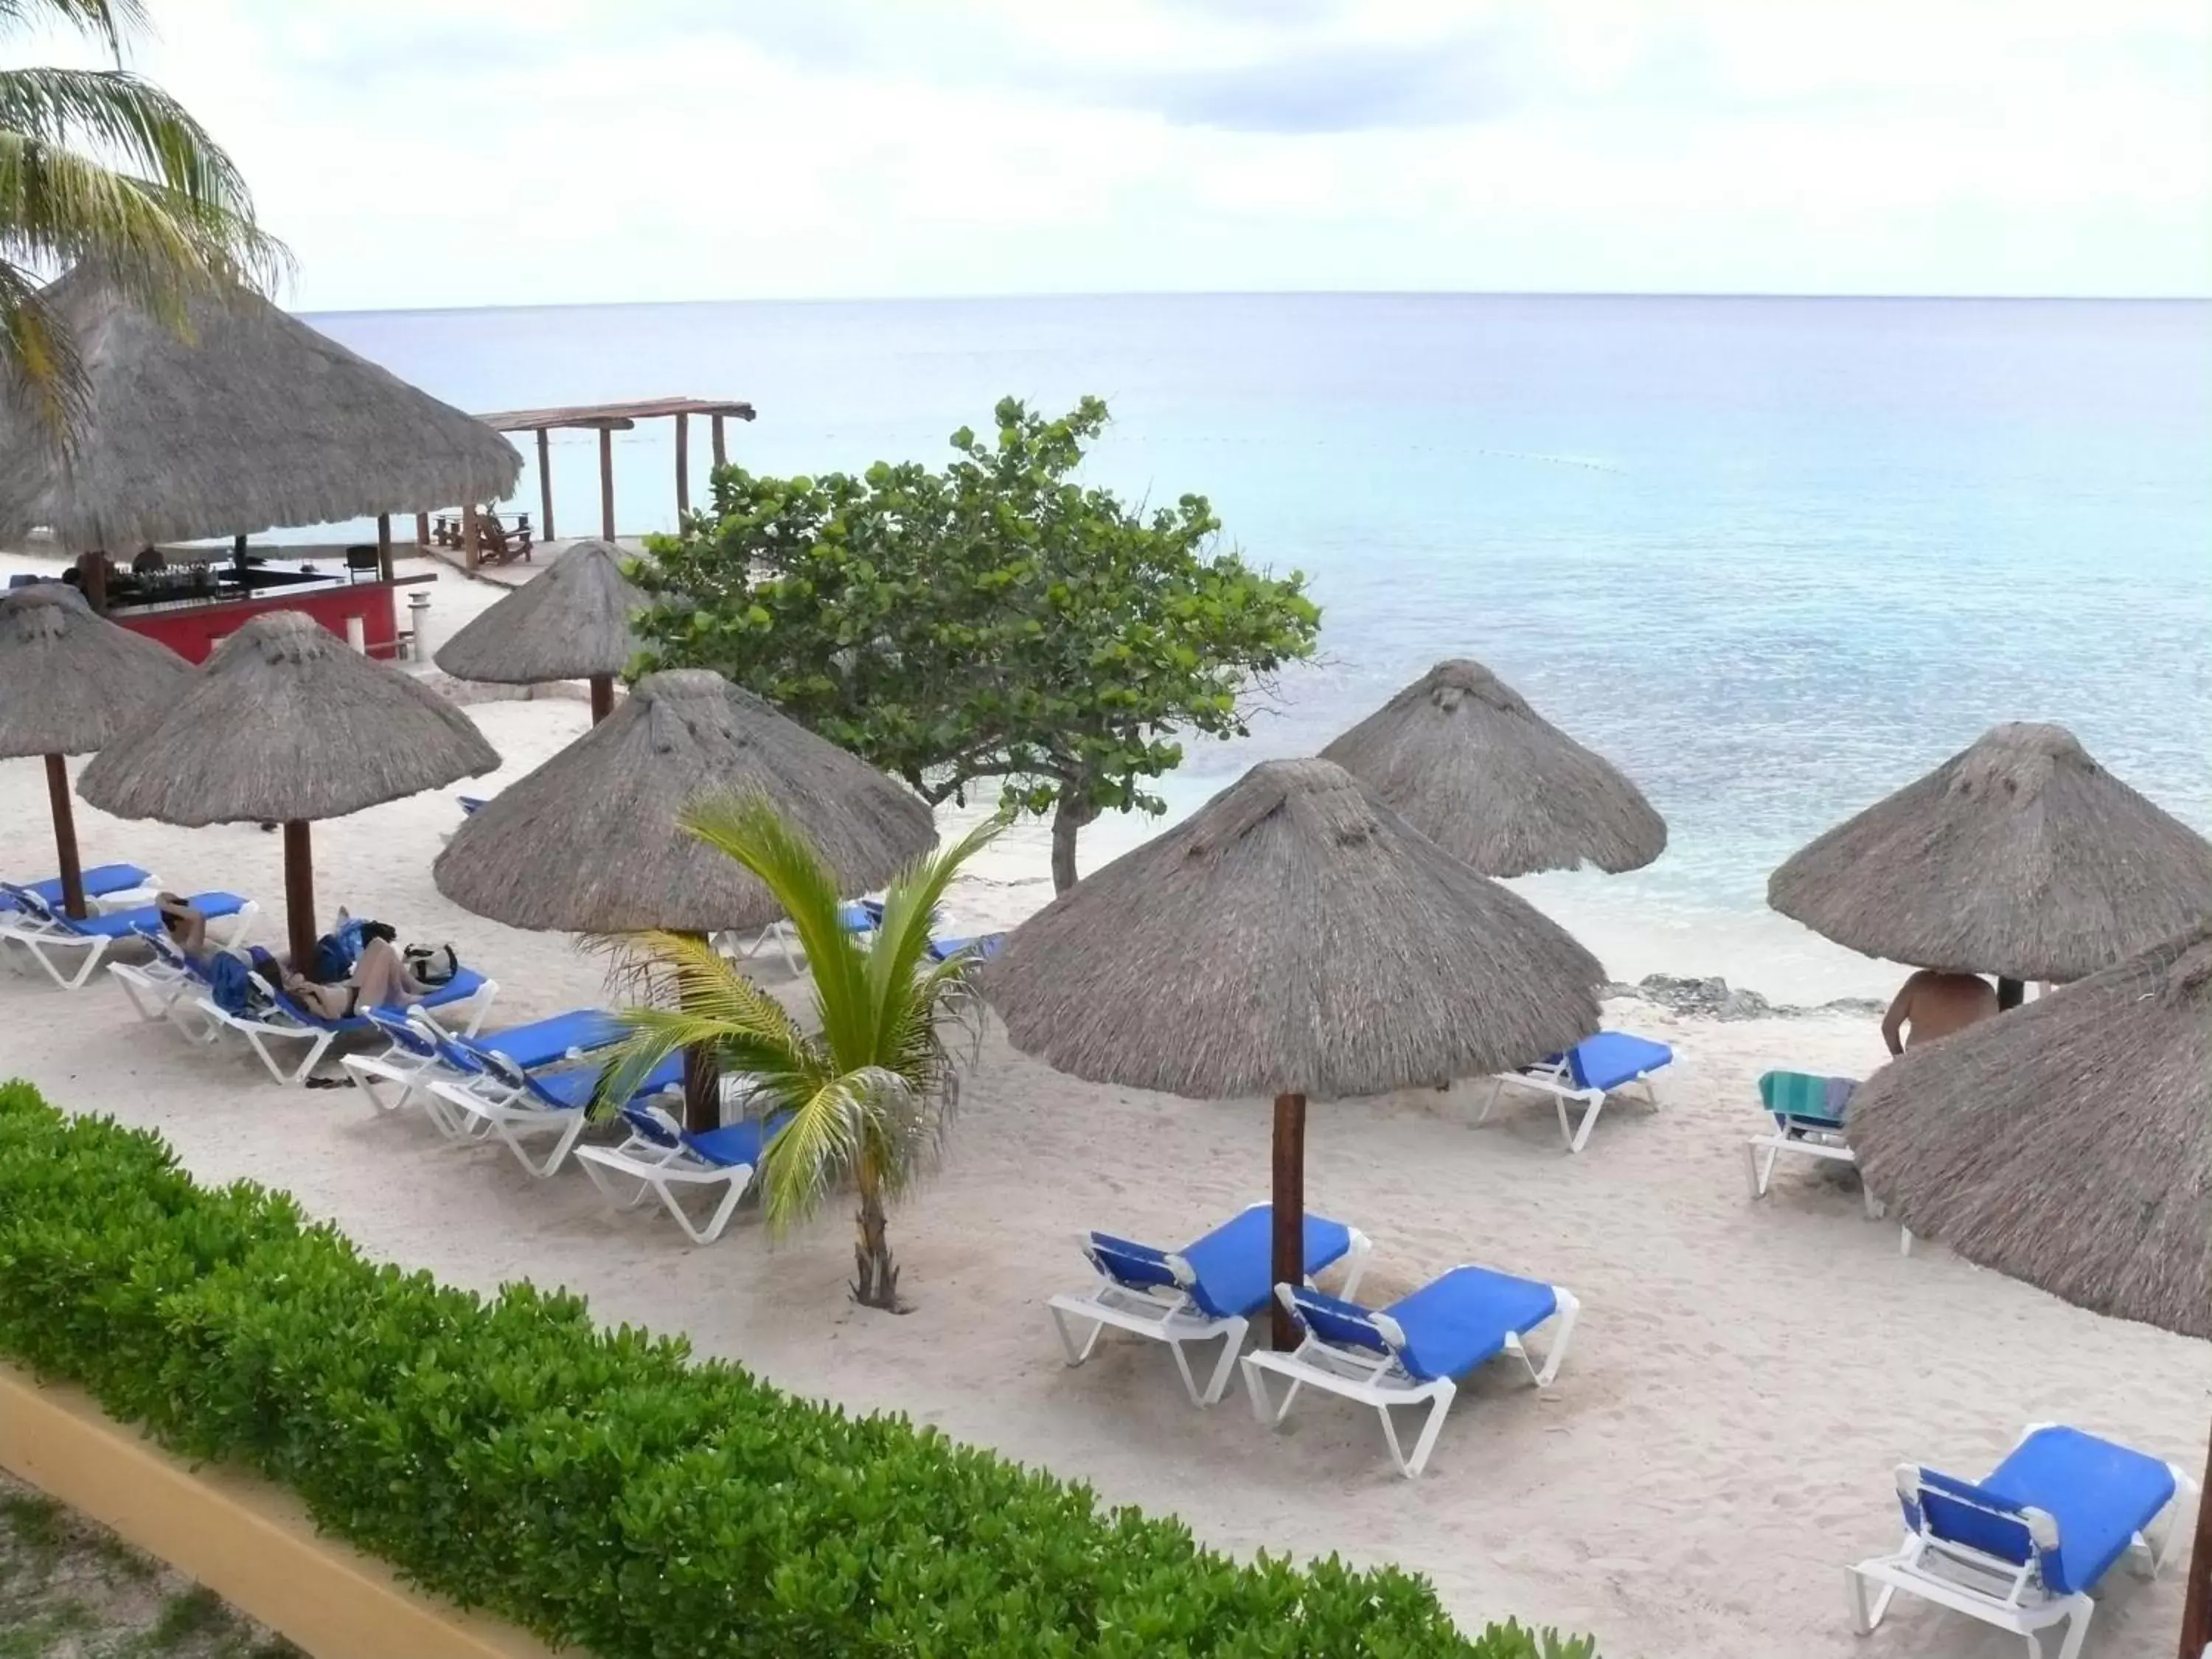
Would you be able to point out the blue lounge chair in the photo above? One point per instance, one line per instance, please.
(1408, 1353)
(858, 917)
(420, 1052)
(1808, 1122)
(1594, 1069)
(44, 932)
(981, 946)
(662, 1158)
(1213, 1287)
(2025, 1547)
(101, 882)
(519, 1108)
(277, 1016)
(166, 987)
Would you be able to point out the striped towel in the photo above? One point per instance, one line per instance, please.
(1805, 1098)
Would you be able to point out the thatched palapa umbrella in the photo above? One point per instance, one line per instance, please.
(1294, 938)
(589, 843)
(286, 722)
(70, 683)
(1461, 757)
(570, 621)
(2020, 857)
(250, 419)
(2069, 1143)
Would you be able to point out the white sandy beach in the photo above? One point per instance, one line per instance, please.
(1718, 1446)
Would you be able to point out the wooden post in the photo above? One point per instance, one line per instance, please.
(544, 485)
(702, 1092)
(468, 552)
(607, 483)
(683, 463)
(603, 697)
(1288, 1257)
(721, 455)
(421, 532)
(2196, 1604)
(300, 894)
(92, 581)
(2011, 993)
(384, 546)
(58, 796)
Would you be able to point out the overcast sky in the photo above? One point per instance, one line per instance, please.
(471, 152)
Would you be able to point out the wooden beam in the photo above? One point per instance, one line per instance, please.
(384, 572)
(469, 554)
(300, 895)
(421, 532)
(721, 454)
(683, 464)
(606, 484)
(1287, 1229)
(57, 798)
(545, 487)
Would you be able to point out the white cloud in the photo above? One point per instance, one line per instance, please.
(457, 152)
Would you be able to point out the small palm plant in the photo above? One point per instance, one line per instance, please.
(870, 1088)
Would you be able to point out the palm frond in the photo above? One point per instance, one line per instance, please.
(697, 1001)
(39, 361)
(861, 1116)
(910, 903)
(127, 121)
(110, 21)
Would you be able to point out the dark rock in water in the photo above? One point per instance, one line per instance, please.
(1714, 999)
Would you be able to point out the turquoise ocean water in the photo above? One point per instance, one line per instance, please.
(1774, 557)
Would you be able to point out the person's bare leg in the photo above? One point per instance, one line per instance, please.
(382, 977)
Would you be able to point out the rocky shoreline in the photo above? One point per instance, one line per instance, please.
(1715, 998)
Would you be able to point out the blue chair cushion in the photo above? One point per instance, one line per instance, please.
(99, 882)
(2100, 1494)
(735, 1144)
(566, 1090)
(1141, 1266)
(143, 920)
(1454, 1323)
(985, 946)
(1232, 1266)
(1612, 1059)
(541, 1042)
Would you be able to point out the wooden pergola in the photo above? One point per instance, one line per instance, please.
(607, 419)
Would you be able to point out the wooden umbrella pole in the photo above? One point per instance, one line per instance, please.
(1289, 1199)
(300, 895)
(2197, 1606)
(603, 697)
(702, 1085)
(2011, 993)
(57, 794)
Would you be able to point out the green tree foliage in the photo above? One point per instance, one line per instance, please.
(867, 1090)
(598, 1484)
(994, 620)
(98, 164)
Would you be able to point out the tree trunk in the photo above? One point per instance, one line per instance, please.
(1068, 821)
(875, 1282)
(2196, 1604)
(57, 798)
(1287, 1229)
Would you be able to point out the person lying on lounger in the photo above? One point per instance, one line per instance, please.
(186, 928)
(1935, 1005)
(380, 980)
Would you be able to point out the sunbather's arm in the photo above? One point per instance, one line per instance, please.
(1900, 1011)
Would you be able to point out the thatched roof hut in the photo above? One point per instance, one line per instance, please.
(2069, 1142)
(71, 681)
(570, 621)
(2020, 857)
(589, 842)
(253, 421)
(1294, 935)
(1461, 757)
(286, 722)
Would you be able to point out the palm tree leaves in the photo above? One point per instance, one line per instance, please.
(102, 165)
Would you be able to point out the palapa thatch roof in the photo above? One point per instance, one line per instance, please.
(70, 682)
(589, 842)
(1294, 935)
(286, 720)
(1461, 757)
(253, 422)
(2068, 1143)
(569, 621)
(2020, 857)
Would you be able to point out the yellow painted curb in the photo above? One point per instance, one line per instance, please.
(250, 1543)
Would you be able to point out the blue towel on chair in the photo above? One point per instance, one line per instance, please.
(1612, 1059)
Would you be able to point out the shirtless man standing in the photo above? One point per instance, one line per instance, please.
(1935, 1004)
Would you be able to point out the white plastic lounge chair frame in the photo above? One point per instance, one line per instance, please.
(1811, 1140)
(659, 1164)
(166, 989)
(39, 937)
(1378, 1380)
(1168, 1316)
(1556, 1078)
(2010, 1595)
(404, 1072)
(488, 1105)
(261, 1030)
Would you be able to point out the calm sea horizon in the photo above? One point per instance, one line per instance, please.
(1773, 557)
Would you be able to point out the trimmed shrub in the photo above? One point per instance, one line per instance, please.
(601, 1487)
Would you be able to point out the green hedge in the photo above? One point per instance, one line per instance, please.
(601, 1487)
